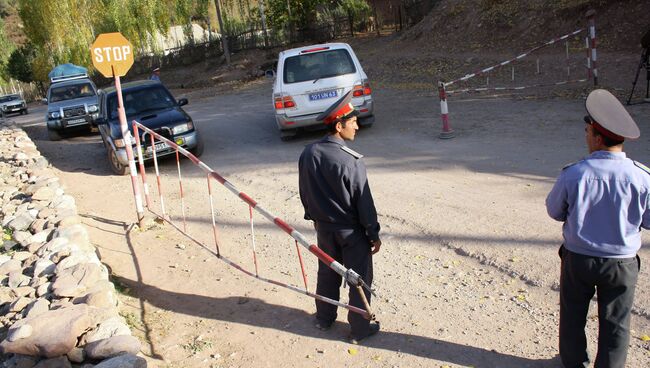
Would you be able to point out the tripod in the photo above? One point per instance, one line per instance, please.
(645, 62)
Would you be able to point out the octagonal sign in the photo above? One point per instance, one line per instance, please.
(112, 54)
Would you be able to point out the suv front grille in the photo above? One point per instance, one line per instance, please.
(74, 111)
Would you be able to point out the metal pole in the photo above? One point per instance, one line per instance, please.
(592, 36)
(143, 174)
(126, 136)
(447, 132)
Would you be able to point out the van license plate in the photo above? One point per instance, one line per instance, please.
(322, 95)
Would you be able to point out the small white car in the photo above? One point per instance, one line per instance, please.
(309, 79)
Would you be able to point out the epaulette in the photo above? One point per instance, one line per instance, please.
(642, 166)
(352, 152)
(569, 165)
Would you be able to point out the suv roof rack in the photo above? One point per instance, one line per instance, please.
(68, 77)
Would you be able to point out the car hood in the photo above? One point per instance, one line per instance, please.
(169, 117)
(54, 106)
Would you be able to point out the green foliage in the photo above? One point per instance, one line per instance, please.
(19, 65)
(62, 31)
(303, 12)
(197, 345)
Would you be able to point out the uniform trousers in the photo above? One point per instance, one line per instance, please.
(351, 248)
(614, 281)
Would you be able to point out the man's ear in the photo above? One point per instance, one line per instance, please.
(339, 126)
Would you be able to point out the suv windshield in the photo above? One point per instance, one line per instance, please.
(71, 91)
(140, 101)
(8, 98)
(318, 65)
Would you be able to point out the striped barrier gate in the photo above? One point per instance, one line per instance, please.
(349, 275)
(590, 42)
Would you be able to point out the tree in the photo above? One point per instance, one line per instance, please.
(20, 62)
(62, 31)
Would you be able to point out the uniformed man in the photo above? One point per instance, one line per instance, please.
(604, 201)
(335, 195)
(155, 75)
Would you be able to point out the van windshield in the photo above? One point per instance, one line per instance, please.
(70, 92)
(318, 65)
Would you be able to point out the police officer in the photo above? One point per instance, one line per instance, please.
(604, 201)
(155, 75)
(335, 195)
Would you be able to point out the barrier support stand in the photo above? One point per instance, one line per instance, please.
(126, 135)
(370, 316)
(446, 132)
(592, 44)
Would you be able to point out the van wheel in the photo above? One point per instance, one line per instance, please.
(53, 135)
(116, 166)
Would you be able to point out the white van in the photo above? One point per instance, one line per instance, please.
(309, 79)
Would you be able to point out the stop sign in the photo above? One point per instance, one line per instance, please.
(111, 52)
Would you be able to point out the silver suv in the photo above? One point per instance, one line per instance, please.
(71, 103)
(12, 103)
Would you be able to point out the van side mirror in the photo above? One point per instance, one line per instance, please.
(183, 102)
(44, 101)
(270, 74)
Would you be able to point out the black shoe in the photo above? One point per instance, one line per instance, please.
(372, 330)
(323, 326)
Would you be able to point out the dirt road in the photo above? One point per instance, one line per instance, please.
(468, 274)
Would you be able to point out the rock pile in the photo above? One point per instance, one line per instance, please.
(57, 305)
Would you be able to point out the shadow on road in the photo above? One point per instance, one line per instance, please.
(258, 313)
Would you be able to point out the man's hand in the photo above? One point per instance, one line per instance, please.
(375, 245)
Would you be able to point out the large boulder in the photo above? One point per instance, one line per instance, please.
(112, 346)
(54, 333)
(115, 326)
(59, 362)
(123, 361)
(76, 280)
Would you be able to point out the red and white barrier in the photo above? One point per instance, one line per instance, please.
(348, 275)
(443, 93)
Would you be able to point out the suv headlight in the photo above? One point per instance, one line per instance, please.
(93, 108)
(55, 115)
(182, 128)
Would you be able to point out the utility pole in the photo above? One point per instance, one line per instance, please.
(224, 41)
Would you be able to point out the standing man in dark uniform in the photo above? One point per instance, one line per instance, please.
(604, 201)
(335, 194)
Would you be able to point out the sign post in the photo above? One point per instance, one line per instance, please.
(112, 55)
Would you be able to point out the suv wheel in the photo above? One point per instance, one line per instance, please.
(116, 166)
(53, 135)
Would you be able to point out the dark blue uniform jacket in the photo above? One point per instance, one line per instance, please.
(334, 188)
